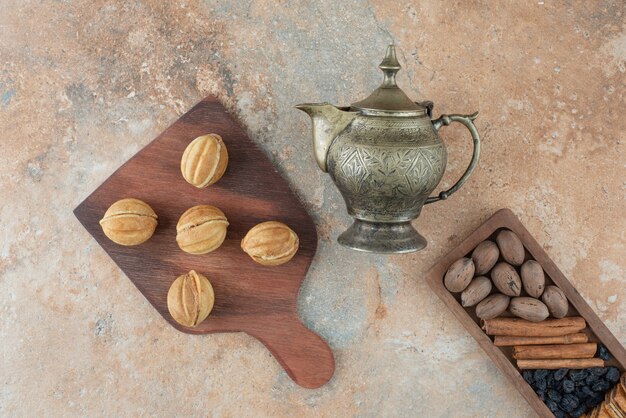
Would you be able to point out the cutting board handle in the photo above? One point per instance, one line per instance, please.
(304, 355)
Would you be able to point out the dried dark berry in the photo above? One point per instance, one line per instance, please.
(552, 406)
(601, 386)
(540, 374)
(599, 371)
(550, 380)
(541, 394)
(560, 414)
(560, 374)
(578, 375)
(612, 375)
(591, 379)
(594, 400)
(579, 411)
(587, 391)
(568, 403)
(568, 386)
(603, 353)
(528, 376)
(541, 384)
(554, 395)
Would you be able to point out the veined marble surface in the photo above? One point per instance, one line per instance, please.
(86, 84)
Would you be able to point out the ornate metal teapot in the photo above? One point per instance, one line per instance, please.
(385, 156)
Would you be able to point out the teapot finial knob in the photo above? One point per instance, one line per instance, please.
(390, 66)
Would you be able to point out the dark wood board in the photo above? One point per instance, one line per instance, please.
(250, 298)
(501, 356)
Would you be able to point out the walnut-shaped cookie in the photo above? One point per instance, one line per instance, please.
(190, 299)
(129, 222)
(201, 229)
(204, 160)
(271, 243)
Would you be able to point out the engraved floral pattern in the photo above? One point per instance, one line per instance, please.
(385, 181)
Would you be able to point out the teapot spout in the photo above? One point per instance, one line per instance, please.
(328, 121)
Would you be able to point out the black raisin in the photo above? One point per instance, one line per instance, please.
(552, 406)
(560, 374)
(578, 375)
(612, 375)
(599, 371)
(554, 395)
(569, 403)
(541, 394)
(591, 379)
(587, 391)
(560, 414)
(594, 400)
(540, 374)
(541, 384)
(601, 386)
(528, 376)
(579, 411)
(603, 353)
(568, 386)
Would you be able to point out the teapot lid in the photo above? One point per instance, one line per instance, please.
(389, 96)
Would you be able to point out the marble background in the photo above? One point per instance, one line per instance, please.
(86, 84)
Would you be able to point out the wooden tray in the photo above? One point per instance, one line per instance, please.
(257, 300)
(501, 356)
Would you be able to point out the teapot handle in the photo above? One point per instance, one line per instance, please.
(445, 120)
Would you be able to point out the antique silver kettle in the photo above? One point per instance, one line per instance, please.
(385, 156)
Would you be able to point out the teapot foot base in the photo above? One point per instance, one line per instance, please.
(380, 237)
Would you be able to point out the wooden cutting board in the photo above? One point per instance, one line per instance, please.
(250, 298)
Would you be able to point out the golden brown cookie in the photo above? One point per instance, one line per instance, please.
(204, 160)
(201, 229)
(129, 222)
(271, 243)
(190, 299)
(604, 411)
(619, 397)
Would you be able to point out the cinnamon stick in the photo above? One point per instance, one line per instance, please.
(567, 351)
(505, 341)
(522, 328)
(574, 363)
